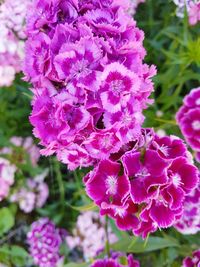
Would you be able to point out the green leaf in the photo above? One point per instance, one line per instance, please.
(7, 220)
(19, 256)
(16, 254)
(140, 246)
(91, 206)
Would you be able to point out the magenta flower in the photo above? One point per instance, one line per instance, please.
(44, 240)
(189, 222)
(85, 60)
(145, 175)
(105, 183)
(114, 262)
(144, 187)
(193, 261)
(188, 119)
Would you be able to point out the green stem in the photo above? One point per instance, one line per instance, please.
(60, 182)
(173, 122)
(107, 248)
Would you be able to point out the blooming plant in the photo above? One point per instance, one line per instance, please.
(117, 186)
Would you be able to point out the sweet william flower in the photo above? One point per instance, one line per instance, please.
(104, 183)
(192, 261)
(147, 189)
(188, 119)
(85, 60)
(44, 241)
(112, 262)
(189, 223)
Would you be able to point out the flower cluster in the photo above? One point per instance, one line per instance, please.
(85, 60)
(194, 261)
(33, 195)
(12, 34)
(45, 240)
(191, 6)
(90, 224)
(188, 119)
(189, 223)
(7, 174)
(114, 262)
(143, 186)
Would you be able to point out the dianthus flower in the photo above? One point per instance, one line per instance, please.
(189, 223)
(85, 60)
(112, 262)
(7, 174)
(44, 240)
(12, 35)
(33, 195)
(193, 261)
(143, 186)
(90, 224)
(191, 6)
(188, 119)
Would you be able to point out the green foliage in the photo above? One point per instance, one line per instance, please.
(7, 220)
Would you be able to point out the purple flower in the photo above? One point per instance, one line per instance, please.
(44, 240)
(85, 60)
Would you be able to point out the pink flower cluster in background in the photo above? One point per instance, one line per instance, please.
(85, 60)
(44, 241)
(189, 223)
(134, 5)
(193, 261)
(12, 35)
(188, 119)
(7, 175)
(115, 262)
(192, 7)
(143, 187)
(89, 234)
(27, 145)
(33, 195)
(194, 13)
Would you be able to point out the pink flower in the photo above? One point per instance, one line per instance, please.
(7, 173)
(144, 187)
(192, 261)
(90, 224)
(188, 118)
(119, 85)
(194, 13)
(112, 262)
(189, 223)
(105, 183)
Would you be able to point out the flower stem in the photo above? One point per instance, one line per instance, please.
(60, 182)
(107, 248)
